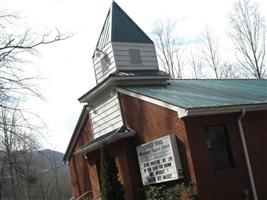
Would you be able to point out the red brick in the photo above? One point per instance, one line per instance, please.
(151, 122)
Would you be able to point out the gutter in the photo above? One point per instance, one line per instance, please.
(226, 109)
(244, 145)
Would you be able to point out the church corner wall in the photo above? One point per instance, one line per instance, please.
(78, 165)
(151, 122)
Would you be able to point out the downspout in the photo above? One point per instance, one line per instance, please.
(244, 145)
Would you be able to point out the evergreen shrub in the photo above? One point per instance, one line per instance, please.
(111, 187)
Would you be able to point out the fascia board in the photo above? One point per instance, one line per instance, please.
(225, 109)
(113, 81)
(108, 140)
(180, 111)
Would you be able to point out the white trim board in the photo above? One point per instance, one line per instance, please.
(180, 111)
(226, 109)
(112, 81)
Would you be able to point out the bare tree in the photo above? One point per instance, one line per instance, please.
(229, 71)
(169, 50)
(15, 81)
(53, 179)
(248, 33)
(17, 132)
(16, 138)
(179, 63)
(55, 171)
(210, 52)
(196, 65)
(26, 173)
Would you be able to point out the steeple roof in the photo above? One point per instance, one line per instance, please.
(119, 27)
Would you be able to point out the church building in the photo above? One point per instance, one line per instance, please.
(164, 131)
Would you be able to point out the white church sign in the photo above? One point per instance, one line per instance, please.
(159, 160)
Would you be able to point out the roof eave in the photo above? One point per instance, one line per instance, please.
(112, 80)
(182, 112)
(108, 140)
(189, 112)
(224, 109)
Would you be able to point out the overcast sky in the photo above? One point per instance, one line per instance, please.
(67, 65)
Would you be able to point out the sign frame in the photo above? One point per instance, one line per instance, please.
(159, 160)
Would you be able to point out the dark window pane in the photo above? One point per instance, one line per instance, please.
(219, 148)
(216, 137)
(221, 159)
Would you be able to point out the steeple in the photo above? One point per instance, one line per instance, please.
(123, 46)
(119, 27)
(124, 55)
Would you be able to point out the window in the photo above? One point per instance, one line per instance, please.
(135, 57)
(219, 148)
(105, 62)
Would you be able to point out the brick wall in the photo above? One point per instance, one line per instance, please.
(231, 183)
(151, 122)
(119, 150)
(79, 169)
(255, 128)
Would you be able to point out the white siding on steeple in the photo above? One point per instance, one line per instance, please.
(122, 51)
(119, 55)
(106, 117)
(101, 74)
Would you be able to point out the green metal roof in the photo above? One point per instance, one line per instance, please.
(119, 27)
(206, 93)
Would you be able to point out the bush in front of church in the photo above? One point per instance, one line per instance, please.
(180, 191)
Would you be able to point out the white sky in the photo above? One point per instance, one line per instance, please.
(67, 65)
